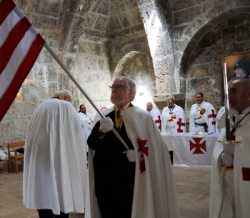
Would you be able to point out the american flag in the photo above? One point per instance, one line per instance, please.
(20, 46)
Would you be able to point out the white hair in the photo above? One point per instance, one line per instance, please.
(63, 95)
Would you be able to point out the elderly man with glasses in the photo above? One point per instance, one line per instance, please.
(135, 182)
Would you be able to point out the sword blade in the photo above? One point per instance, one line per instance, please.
(227, 104)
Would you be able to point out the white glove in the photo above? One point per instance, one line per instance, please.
(131, 155)
(106, 125)
(228, 153)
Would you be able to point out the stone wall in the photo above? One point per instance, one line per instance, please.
(204, 32)
(138, 67)
(91, 67)
(93, 36)
(161, 50)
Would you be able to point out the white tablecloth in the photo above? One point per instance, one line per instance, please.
(190, 149)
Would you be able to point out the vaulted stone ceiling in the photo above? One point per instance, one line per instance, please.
(95, 19)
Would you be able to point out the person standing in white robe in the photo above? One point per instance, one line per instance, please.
(155, 113)
(221, 198)
(130, 184)
(173, 118)
(86, 121)
(202, 116)
(239, 93)
(55, 167)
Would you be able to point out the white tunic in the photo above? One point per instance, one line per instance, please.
(156, 115)
(86, 124)
(55, 159)
(221, 197)
(196, 119)
(173, 120)
(242, 167)
(154, 189)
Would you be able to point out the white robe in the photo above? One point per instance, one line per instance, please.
(154, 189)
(242, 160)
(221, 198)
(196, 117)
(170, 119)
(156, 115)
(55, 171)
(86, 124)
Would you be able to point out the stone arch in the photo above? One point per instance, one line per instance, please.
(132, 58)
(207, 33)
(137, 66)
(201, 62)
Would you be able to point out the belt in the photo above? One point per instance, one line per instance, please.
(204, 125)
(200, 124)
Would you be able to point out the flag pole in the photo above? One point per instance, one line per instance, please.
(82, 91)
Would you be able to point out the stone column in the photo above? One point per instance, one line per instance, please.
(160, 45)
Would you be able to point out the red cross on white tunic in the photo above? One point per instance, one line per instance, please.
(142, 151)
(198, 145)
(180, 124)
(213, 116)
(158, 122)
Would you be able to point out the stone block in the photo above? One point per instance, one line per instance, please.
(198, 71)
(243, 32)
(102, 23)
(187, 15)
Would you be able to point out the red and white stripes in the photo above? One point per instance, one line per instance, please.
(20, 45)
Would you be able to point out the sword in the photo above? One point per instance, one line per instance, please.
(227, 105)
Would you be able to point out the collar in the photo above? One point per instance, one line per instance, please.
(199, 105)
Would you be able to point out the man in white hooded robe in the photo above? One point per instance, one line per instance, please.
(173, 118)
(202, 116)
(221, 198)
(86, 121)
(55, 169)
(234, 154)
(130, 184)
(239, 93)
(154, 111)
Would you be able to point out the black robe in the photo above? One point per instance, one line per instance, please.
(114, 174)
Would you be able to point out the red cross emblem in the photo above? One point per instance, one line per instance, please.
(180, 124)
(246, 174)
(142, 151)
(198, 146)
(158, 122)
(212, 116)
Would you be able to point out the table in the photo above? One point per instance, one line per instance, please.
(13, 154)
(191, 149)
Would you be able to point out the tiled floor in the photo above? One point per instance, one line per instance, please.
(192, 194)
